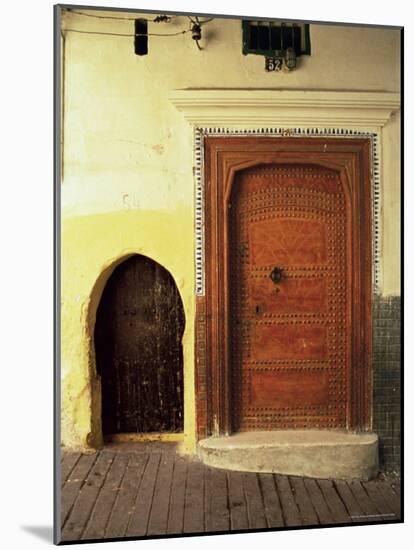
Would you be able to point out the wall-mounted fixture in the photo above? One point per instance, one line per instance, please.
(141, 31)
(141, 37)
(195, 27)
(281, 43)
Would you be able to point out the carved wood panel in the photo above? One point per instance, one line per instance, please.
(295, 352)
(289, 354)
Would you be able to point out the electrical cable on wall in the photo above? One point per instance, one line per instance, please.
(141, 46)
(158, 19)
(126, 34)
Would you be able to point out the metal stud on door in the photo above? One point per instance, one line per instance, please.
(140, 322)
(289, 364)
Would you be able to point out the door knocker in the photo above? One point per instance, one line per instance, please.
(276, 275)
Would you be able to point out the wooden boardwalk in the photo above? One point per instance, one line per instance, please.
(140, 490)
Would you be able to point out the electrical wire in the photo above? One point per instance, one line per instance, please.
(111, 17)
(197, 22)
(134, 18)
(124, 34)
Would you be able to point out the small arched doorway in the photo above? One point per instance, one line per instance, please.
(138, 332)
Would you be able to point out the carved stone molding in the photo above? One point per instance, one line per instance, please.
(285, 107)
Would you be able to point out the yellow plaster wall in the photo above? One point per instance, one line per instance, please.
(91, 247)
(127, 169)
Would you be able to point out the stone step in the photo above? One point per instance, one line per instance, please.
(311, 453)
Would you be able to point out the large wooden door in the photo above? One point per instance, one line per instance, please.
(139, 326)
(290, 353)
(284, 328)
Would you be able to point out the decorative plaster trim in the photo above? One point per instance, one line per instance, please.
(285, 112)
(284, 107)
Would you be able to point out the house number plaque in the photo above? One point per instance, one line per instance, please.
(273, 64)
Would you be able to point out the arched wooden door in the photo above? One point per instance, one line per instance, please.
(139, 326)
(284, 327)
(290, 298)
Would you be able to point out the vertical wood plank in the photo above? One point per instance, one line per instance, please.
(101, 512)
(390, 496)
(177, 500)
(158, 520)
(126, 496)
(337, 507)
(306, 509)
(322, 510)
(67, 464)
(289, 508)
(237, 502)
(255, 508)
(355, 511)
(369, 509)
(217, 515)
(74, 483)
(273, 509)
(194, 499)
(138, 523)
(383, 507)
(83, 505)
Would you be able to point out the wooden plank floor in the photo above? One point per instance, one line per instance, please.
(140, 490)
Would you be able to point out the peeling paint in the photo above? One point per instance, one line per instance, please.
(158, 148)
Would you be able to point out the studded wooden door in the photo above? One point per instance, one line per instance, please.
(139, 326)
(284, 328)
(288, 280)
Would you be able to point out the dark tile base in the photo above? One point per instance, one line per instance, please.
(387, 376)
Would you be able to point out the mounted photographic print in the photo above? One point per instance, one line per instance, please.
(228, 257)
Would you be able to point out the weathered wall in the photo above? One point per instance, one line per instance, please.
(91, 247)
(128, 166)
